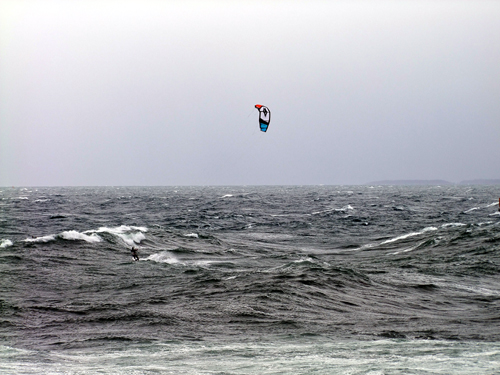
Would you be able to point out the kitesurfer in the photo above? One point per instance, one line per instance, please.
(134, 254)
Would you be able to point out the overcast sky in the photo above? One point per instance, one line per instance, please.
(145, 92)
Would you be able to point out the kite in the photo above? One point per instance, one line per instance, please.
(264, 117)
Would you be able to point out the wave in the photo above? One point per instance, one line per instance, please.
(405, 236)
(480, 207)
(130, 235)
(163, 257)
(169, 258)
(70, 235)
(410, 235)
(472, 209)
(453, 225)
(42, 239)
(429, 229)
(73, 235)
(330, 210)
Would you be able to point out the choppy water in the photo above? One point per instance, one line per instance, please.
(250, 280)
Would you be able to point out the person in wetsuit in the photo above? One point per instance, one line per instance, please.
(134, 254)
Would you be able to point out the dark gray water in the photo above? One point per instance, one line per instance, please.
(249, 275)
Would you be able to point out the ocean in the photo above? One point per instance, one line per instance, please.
(250, 280)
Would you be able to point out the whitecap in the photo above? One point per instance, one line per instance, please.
(131, 235)
(478, 290)
(163, 257)
(142, 229)
(343, 209)
(204, 263)
(348, 207)
(404, 236)
(472, 209)
(406, 250)
(42, 239)
(73, 235)
(193, 235)
(453, 225)
(484, 223)
(121, 229)
(5, 243)
(304, 260)
(365, 247)
(227, 196)
(131, 238)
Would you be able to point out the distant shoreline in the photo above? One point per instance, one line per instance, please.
(483, 182)
(434, 182)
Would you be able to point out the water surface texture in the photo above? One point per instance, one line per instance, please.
(250, 280)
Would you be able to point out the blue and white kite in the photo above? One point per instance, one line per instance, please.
(264, 117)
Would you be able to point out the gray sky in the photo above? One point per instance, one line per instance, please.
(144, 92)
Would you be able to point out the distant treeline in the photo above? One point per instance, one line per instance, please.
(435, 182)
